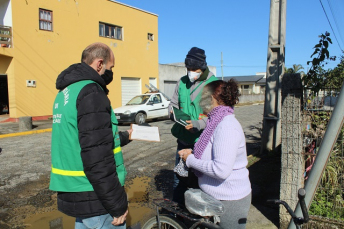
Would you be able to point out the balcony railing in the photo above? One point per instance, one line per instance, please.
(5, 36)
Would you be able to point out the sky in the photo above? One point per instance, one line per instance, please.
(239, 29)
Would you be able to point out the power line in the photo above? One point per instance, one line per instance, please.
(331, 26)
(246, 66)
(226, 66)
(222, 65)
(335, 20)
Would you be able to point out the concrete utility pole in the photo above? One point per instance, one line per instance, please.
(271, 134)
(222, 65)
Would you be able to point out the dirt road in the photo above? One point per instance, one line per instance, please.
(25, 168)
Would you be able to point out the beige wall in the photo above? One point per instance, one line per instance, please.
(41, 55)
(253, 88)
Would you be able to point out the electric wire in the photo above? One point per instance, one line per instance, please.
(246, 66)
(335, 21)
(330, 25)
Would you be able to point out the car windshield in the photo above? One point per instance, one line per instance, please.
(140, 99)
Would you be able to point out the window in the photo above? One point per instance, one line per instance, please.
(157, 98)
(110, 31)
(245, 89)
(45, 20)
(150, 36)
(262, 89)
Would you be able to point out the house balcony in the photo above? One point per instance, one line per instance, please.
(6, 38)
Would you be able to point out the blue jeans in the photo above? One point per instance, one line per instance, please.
(97, 222)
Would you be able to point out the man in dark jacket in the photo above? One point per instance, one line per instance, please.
(87, 163)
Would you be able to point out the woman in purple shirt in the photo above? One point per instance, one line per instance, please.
(219, 158)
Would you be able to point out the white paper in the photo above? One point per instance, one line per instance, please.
(145, 133)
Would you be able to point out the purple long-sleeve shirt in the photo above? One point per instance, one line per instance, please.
(223, 162)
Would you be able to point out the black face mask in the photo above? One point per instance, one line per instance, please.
(107, 76)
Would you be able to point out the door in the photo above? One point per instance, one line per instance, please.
(4, 105)
(153, 82)
(158, 108)
(131, 87)
(169, 87)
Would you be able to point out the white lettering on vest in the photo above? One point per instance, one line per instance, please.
(66, 95)
(57, 118)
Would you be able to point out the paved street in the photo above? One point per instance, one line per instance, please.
(27, 158)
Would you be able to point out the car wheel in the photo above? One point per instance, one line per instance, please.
(140, 118)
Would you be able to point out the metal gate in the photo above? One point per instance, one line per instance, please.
(327, 208)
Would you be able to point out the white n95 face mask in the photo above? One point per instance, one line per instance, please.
(193, 76)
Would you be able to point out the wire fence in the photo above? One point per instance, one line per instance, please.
(327, 207)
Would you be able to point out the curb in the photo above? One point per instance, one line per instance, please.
(25, 133)
(35, 118)
(250, 104)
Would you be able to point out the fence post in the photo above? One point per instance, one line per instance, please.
(25, 123)
(292, 165)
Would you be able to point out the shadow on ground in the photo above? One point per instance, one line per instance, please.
(164, 182)
(265, 174)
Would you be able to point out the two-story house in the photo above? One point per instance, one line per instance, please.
(40, 38)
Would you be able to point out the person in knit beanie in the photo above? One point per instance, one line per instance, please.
(196, 59)
(186, 97)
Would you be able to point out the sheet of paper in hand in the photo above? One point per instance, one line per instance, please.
(145, 133)
(180, 117)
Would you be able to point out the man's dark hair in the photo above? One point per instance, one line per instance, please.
(94, 51)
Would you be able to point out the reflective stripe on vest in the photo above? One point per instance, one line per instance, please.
(67, 172)
(117, 150)
(76, 173)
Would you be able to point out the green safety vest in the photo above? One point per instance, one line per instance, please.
(67, 172)
(189, 107)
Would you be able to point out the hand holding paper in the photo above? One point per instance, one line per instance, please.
(144, 133)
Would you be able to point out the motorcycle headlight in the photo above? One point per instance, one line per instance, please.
(127, 112)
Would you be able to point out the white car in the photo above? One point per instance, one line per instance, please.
(143, 107)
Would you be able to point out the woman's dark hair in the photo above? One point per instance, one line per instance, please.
(226, 93)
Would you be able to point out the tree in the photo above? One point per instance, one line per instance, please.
(334, 78)
(314, 80)
(295, 69)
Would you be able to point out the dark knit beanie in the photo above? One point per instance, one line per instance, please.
(195, 59)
